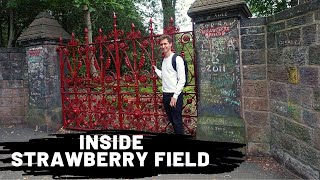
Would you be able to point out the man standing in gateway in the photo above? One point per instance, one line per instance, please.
(173, 82)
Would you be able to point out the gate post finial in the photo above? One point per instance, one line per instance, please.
(150, 26)
(114, 20)
(132, 27)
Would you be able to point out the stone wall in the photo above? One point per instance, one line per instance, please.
(281, 92)
(255, 86)
(13, 86)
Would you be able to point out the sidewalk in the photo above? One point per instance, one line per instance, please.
(252, 168)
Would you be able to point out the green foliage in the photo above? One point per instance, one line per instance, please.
(269, 7)
(69, 14)
(161, 11)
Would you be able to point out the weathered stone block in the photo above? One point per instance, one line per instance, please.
(316, 103)
(290, 37)
(275, 138)
(271, 40)
(299, 131)
(4, 56)
(10, 111)
(255, 88)
(309, 76)
(5, 101)
(253, 42)
(316, 139)
(274, 27)
(294, 112)
(253, 118)
(15, 84)
(252, 30)
(254, 72)
(287, 143)
(293, 164)
(4, 92)
(277, 122)
(279, 108)
(258, 134)
(12, 101)
(253, 22)
(278, 91)
(5, 111)
(317, 15)
(10, 120)
(295, 11)
(274, 56)
(300, 95)
(256, 104)
(21, 92)
(309, 34)
(253, 57)
(278, 73)
(307, 98)
(314, 55)
(208, 129)
(295, 55)
(309, 155)
(258, 149)
(270, 19)
(18, 57)
(277, 154)
(311, 119)
(301, 20)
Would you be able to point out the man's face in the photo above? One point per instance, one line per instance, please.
(165, 46)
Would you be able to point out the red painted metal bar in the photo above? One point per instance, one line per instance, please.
(153, 76)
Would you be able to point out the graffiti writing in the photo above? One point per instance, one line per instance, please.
(220, 66)
(215, 31)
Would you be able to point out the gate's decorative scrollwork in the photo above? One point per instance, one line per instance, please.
(110, 84)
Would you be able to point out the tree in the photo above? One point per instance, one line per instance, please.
(89, 6)
(16, 16)
(169, 11)
(67, 13)
(166, 9)
(269, 7)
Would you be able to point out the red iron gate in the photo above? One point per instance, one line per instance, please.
(110, 84)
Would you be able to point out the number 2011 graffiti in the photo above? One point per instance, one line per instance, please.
(215, 68)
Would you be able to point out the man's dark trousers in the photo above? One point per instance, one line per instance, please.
(174, 113)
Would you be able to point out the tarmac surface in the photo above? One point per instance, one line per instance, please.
(252, 168)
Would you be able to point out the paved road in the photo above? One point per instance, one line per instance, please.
(252, 168)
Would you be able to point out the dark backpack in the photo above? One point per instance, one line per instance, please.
(174, 65)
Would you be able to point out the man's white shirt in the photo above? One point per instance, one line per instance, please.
(172, 81)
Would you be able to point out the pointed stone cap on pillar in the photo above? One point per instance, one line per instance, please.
(43, 30)
(218, 9)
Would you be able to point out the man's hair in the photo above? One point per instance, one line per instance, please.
(163, 37)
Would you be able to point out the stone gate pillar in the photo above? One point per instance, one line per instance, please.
(41, 39)
(217, 36)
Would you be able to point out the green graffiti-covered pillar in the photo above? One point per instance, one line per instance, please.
(216, 29)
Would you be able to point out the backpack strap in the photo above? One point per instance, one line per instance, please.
(174, 63)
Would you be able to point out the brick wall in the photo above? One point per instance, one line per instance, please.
(282, 116)
(13, 86)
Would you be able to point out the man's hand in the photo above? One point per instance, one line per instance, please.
(154, 67)
(173, 102)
